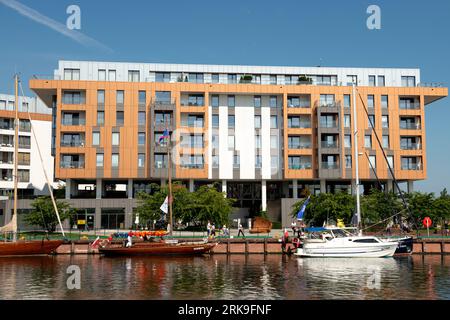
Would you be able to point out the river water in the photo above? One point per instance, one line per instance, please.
(225, 277)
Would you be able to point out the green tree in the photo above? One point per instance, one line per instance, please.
(378, 206)
(421, 204)
(442, 206)
(43, 213)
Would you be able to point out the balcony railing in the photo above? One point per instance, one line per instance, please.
(410, 126)
(24, 146)
(68, 122)
(300, 146)
(301, 166)
(412, 166)
(192, 146)
(186, 103)
(410, 146)
(72, 164)
(301, 125)
(163, 102)
(192, 166)
(334, 104)
(72, 143)
(330, 165)
(332, 124)
(6, 126)
(409, 105)
(327, 144)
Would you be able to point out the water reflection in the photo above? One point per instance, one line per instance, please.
(226, 277)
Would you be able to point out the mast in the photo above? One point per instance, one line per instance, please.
(16, 154)
(169, 175)
(355, 141)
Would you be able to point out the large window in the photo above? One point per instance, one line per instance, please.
(95, 138)
(232, 78)
(101, 97)
(133, 76)
(257, 122)
(141, 118)
(408, 81)
(195, 100)
(99, 160)
(368, 141)
(142, 97)
(346, 121)
(71, 74)
(347, 102)
(385, 121)
(195, 77)
(73, 97)
(119, 97)
(119, 118)
(141, 160)
(384, 101)
(273, 79)
(112, 75)
(215, 78)
(327, 100)
(370, 101)
(381, 82)
(231, 121)
(371, 81)
(115, 160)
(273, 101)
(257, 101)
(100, 118)
(101, 75)
(231, 101)
(215, 121)
(115, 141)
(273, 122)
(162, 97)
(141, 138)
(347, 141)
(162, 76)
(160, 161)
(214, 100)
(386, 141)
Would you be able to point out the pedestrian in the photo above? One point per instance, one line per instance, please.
(225, 230)
(208, 228)
(129, 243)
(241, 230)
(446, 228)
(294, 227)
(213, 231)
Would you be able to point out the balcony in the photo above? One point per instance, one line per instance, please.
(409, 104)
(410, 126)
(300, 166)
(329, 144)
(73, 122)
(328, 124)
(329, 165)
(300, 146)
(72, 164)
(163, 103)
(411, 146)
(192, 165)
(412, 166)
(187, 103)
(322, 104)
(74, 143)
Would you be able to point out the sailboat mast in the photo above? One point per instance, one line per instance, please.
(169, 175)
(16, 151)
(356, 155)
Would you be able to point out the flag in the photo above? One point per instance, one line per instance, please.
(164, 206)
(301, 212)
(164, 136)
(95, 243)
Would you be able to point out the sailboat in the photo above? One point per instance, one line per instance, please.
(339, 242)
(22, 247)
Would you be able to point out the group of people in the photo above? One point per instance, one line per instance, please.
(211, 230)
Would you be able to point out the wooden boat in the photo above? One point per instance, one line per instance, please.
(27, 248)
(159, 248)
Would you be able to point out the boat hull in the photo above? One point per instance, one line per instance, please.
(373, 251)
(29, 248)
(158, 249)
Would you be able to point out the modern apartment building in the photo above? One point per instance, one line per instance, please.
(32, 181)
(263, 133)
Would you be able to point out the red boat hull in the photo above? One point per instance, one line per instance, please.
(29, 248)
(158, 249)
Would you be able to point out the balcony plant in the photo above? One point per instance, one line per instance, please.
(246, 78)
(303, 79)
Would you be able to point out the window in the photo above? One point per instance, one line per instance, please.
(2, 104)
(390, 161)
(381, 81)
(160, 161)
(115, 138)
(352, 79)
(215, 161)
(99, 160)
(371, 121)
(273, 122)
(273, 79)
(386, 141)
(368, 141)
(119, 118)
(71, 74)
(258, 161)
(274, 162)
(347, 141)
(215, 141)
(215, 121)
(231, 101)
(327, 100)
(231, 142)
(385, 121)
(133, 75)
(257, 122)
(232, 78)
(142, 97)
(257, 101)
(373, 162)
(119, 97)
(258, 142)
(347, 102)
(408, 81)
(215, 78)
(112, 75)
(273, 142)
(214, 100)
(141, 138)
(101, 75)
(348, 161)
(101, 97)
(370, 101)
(371, 81)
(231, 122)
(95, 138)
(346, 121)
(384, 101)
(115, 160)
(162, 76)
(195, 100)
(100, 118)
(141, 160)
(141, 118)
(163, 97)
(196, 77)
(236, 161)
(273, 101)
(12, 107)
(69, 97)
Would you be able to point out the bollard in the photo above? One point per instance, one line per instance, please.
(246, 246)
(265, 246)
(228, 246)
(72, 247)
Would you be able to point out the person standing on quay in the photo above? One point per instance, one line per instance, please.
(241, 230)
(208, 228)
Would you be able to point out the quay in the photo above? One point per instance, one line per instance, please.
(421, 246)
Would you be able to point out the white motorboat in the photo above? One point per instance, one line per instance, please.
(340, 243)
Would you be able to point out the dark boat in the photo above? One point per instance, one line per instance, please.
(159, 248)
(29, 248)
(405, 246)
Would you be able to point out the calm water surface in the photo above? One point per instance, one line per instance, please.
(227, 277)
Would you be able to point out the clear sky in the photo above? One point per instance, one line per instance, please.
(256, 32)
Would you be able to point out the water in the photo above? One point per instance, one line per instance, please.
(227, 277)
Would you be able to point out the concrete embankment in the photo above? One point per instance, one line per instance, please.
(260, 246)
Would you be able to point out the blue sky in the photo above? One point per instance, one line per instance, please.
(297, 33)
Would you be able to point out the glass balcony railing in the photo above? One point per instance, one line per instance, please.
(410, 126)
(7, 126)
(412, 166)
(328, 144)
(410, 146)
(330, 124)
(406, 105)
(300, 166)
(301, 125)
(73, 122)
(300, 146)
(330, 165)
(72, 164)
(192, 166)
(76, 143)
(198, 103)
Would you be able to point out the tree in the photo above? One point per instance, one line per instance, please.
(421, 204)
(442, 206)
(43, 213)
(378, 206)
